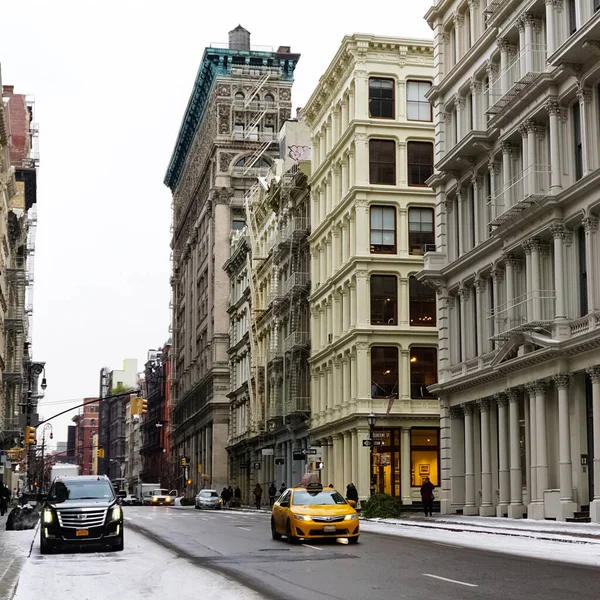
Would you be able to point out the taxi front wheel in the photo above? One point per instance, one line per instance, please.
(276, 536)
(292, 539)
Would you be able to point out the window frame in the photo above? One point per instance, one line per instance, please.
(418, 102)
(394, 317)
(423, 385)
(391, 101)
(394, 249)
(381, 164)
(411, 246)
(412, 144)
(395, 385)
(421, 301)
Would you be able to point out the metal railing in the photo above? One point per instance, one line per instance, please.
(524, 189)
(247, 135)
(521, 70)
(298, 404)
(296, 226)
(295, 281)
(275, 409)
(531, 309)
(254, 105)
(251, 172)
(298, 339)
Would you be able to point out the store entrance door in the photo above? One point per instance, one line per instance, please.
(386, 462)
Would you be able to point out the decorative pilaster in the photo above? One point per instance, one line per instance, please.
(487, 508)
(594, 374)
(503, 462)
(470, 507)
(515, 509)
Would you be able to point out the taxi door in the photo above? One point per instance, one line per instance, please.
(280, 510)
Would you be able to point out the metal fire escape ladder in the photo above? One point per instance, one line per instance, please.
(257, 88)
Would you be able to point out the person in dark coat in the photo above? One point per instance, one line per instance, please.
(257, 495)
(272, 494)
(282, 488)
(4, 499)
(238, 493)
(427, 496)
(351, 492)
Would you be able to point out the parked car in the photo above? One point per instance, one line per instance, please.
(209, 499)
(81, 511)
(130, 500)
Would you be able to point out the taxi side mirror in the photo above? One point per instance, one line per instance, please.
(352, 503)
(285, 504)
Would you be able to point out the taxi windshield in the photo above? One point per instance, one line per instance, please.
(302, 498)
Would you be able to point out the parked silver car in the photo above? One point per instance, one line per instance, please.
(209, 499)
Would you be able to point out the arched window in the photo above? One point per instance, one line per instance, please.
(239, 97)
(261, 163)
(269, 99)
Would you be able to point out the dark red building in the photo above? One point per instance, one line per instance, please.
(86, 425)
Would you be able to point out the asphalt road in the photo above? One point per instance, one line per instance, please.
(239, 545)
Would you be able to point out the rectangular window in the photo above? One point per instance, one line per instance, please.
(418, 107)
(384, 300)
(237, 224)
(422, 304)
(577, 142)
(421, 238)
(238, 130)
(382, 162)
(384, 372)
(383, 229)
(572, 16)
(420, 162)
(424, 450)
(423, 371)
(381, 98)
(582, 255)
(269, 133)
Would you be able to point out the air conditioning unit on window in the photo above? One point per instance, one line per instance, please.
(330, 337)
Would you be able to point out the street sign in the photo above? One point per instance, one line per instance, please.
(310, 451)
(298, 455)
(257, 466)
(368, 443)
(267, 451)
(280, 461)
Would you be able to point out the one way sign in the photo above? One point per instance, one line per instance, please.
(372, 442)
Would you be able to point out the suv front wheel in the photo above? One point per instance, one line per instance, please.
(44, 545)
(118, 547)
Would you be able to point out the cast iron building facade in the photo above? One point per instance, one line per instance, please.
(240, 97)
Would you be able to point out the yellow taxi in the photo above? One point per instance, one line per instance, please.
(314, 512)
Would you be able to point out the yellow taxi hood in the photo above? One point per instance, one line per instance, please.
(323, 510)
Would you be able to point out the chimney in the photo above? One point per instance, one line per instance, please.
(239, 39)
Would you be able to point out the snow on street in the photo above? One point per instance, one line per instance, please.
(144, 570)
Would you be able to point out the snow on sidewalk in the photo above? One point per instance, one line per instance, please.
(14, 550)
(143, 571)
(577, 543)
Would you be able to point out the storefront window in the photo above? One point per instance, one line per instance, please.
(424, 456)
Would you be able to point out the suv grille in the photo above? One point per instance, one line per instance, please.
(81, 518)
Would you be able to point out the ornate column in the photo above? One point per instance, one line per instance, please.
(344, 176)
(401, 99)
(336, 125)
(553, 109)
(335, 248)
(487, 508)
(351, 169)
(364, 468)
(353, 374)
(336, 186)
(345, 310)
(529, 22)
(352, 304)
(530, 183)
(457, 461)
(355, 451)
(461, 198)
(532, 479)
(478, 213)
(361, 162)
(536, 304)
(345, 387)
(509, 264)
(405, 467)
(347, 458)
(480, 314)
(585, 99)
(504, 46)
(466, 326)
(461, 130)
(539, 388)
(594, 373)
(494, 169)
(323, 391)
(362, 228)
(558, 233)
(590, 226)
(470, 507)
(352, 228)
(338, 460)
(361, 298)
(503, 458)
(504, 199)
(474, 19)
(363, 386)
(322, 204)
(567, 506)
(328, 195)
(515, 509)
(550, 27)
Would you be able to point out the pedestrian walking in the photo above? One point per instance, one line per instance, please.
(272, 494)
(427, 496)
(257, 495)
(229, 496)
(352, 492)
(238, 493)
(4, 499)
(225, 496)
(282, 488)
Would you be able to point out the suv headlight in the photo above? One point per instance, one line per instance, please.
(47, 516)
(116, 513)
(351, 517)
(301, 517)
(167, 499)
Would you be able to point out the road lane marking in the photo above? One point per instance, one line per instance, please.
(245, 528)
(450, 580)
(313, 547)
(447, 545)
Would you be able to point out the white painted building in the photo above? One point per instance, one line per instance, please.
(373, 328)
(516, 98)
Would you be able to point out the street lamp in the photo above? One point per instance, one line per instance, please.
(371, 418)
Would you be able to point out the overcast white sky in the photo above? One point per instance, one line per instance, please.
(111, 80)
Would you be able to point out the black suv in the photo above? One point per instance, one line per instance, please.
(81, 511)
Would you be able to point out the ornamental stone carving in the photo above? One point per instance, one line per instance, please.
(484, 405)
(590, 224)
(501, 400)
(557, 230)
(468, 408)
(456, 412)
(225, 159)
(553, 107)
(562, 380)
(594, 373)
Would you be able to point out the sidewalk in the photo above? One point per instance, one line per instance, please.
(15, 547)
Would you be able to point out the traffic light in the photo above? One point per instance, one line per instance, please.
(30, 436)
(189, 482)
(100, 453)
(184, 461)
(318, 465)
(143, 405)
(135, 405)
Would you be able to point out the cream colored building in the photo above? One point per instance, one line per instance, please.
(373, 325)
(516, 100)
